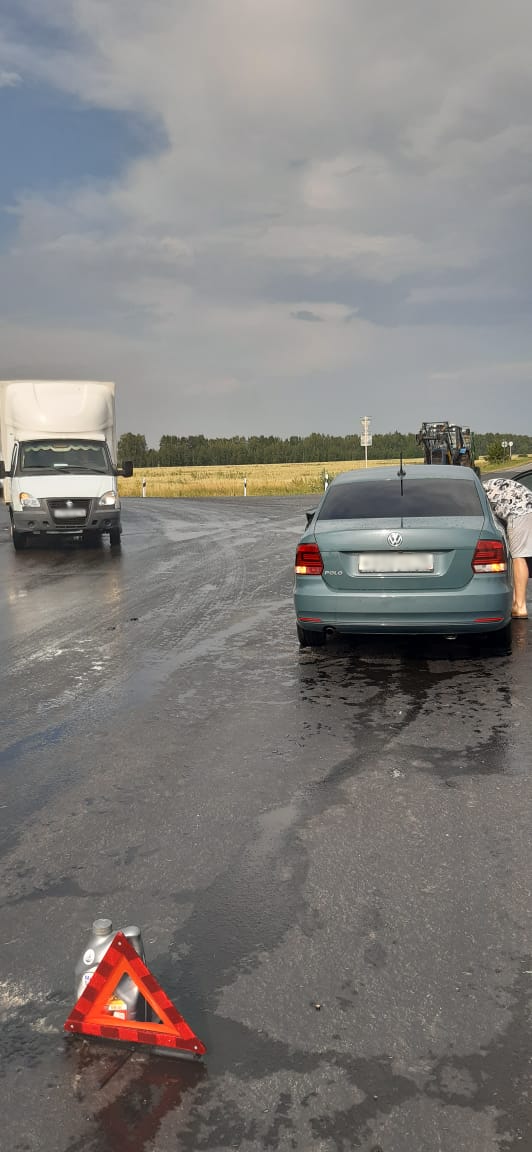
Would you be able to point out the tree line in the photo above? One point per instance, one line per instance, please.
(197, 451)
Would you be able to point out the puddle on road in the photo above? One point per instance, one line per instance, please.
(127, 1093)
(463, 710)
(272, 827)
(110, 1096)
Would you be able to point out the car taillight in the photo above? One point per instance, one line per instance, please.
(308, 560)
(490, 556)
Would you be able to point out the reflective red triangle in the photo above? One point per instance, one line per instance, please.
(89, 1017)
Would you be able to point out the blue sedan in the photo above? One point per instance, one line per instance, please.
(414, 549)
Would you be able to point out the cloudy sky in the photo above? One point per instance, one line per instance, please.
(271, 216)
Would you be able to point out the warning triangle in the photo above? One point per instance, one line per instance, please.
(91, 1016)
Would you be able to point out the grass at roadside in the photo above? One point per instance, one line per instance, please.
(262, 479)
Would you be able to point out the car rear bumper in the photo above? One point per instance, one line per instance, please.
(484, 606)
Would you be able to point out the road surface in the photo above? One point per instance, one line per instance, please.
(328, 853)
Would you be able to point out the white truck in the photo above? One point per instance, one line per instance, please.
(58, 459)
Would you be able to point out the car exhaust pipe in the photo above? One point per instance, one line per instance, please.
(330, 632)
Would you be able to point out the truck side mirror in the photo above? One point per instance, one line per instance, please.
(127, 469)
(2, 470)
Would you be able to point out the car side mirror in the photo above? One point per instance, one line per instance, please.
(127, 469)
(310, 515)
(3, 472)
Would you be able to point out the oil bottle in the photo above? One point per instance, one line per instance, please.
(126, 1003)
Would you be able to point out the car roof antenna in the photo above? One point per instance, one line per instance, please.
(401, 472)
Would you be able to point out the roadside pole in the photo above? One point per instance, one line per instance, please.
(366, 439)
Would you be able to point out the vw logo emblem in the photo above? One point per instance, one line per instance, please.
(69, 504)
(395, 539)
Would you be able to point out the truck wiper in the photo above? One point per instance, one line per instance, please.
(81, 468)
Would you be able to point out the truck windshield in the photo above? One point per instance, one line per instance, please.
(63, 456)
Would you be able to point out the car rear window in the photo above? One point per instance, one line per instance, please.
(374, 499)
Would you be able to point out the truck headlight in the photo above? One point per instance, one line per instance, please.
(109, 500)
(29, 501)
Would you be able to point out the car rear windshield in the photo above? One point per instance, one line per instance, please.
(375, 499)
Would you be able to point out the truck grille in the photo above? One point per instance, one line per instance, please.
(70, 513)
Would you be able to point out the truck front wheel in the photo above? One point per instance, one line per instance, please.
(114, 537)
(91, 539)
(18, 538)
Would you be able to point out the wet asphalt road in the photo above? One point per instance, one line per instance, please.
(328, 853)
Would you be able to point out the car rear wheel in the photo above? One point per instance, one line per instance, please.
(308, 639)
(503, 638)
(499, 642)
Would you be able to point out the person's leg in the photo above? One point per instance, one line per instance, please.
(520, 568)
(519, 532)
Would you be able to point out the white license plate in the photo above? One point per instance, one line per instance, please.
(396, 562)
(68, 513)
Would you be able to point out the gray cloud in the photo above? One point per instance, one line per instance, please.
(306, 314)
(9, 79)
(364, 165)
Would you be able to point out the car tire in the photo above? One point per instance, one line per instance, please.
(503, 638)
(114, 537)
(499, 642)
(19, 539)
(308, 639)
(91, 539)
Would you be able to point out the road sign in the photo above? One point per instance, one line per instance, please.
(92, 1016)
(366, 441)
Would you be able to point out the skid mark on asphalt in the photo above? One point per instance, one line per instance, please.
(53, 889)
(31, 745)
